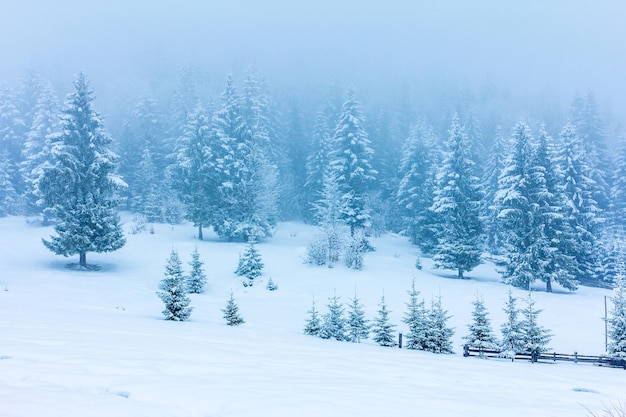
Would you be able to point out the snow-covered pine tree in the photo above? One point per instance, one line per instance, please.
(617, 321)
(327, 212)
(582, 210)
(512, 341)
(318, 161)
(382, 329)
(416, 320)
(334, 322)
(197, 174)
(81, 182)
(456, 206)
(231, 312)
(354, 250)
(438, 334)
(13, 132)
(197, 278)
(9, 199)
(250, 265)
(271, 285)
(415, 191)
(351, 160)
(174, 291)
(313, 324)
(536, 337)
(494, 167)
(481, 334)
(148, 190)
(357, 325)
(618, 191)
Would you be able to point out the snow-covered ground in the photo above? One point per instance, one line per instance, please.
(78, 343)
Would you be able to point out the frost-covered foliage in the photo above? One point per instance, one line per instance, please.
(231, 312)
(250, 265)
(536, 337)
(80, 183)
(617, 321)
(313, 324)
(196, 281)
(481, 334)
(174, 291)
(438, 334)
(416, 320)
(354, 250)
(382, 330)
(494, 166)
(512, 341)
(456, 207)
(357, 325)
(334, 322)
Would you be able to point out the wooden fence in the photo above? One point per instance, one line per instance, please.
(576, 358)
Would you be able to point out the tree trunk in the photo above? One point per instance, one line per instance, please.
(200, 237)
(549, 285)
(461, 274)
(83, 260)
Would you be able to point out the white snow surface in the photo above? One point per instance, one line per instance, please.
(94, 343)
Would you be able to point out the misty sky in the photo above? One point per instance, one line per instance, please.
(563, 46)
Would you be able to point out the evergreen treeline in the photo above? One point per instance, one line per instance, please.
(454, 175)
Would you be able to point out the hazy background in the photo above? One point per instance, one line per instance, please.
(539, 47)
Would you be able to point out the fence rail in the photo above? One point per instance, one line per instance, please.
(575, 357)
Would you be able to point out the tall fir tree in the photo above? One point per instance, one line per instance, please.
(318, 162)
(357, 325)
(81, 183)
(481, 334)
(382, 329)
(416, 320)
(174, 291)
(456, 206)
(495, 164)
(617, 321)
(512, 341)
(351, 159)
(618, 191)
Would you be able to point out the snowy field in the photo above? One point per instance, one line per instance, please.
(77, 343)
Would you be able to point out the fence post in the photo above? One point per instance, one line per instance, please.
(400, 340)
(465, 351)
(553, 356)
(575, 357)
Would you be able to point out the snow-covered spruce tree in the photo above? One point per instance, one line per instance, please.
(415, 191)
(481, 334)
(494, 167)
(13, 132)
(271, 285)
(250, 265)
(416, 320)
(313, 324)
(334, 322)
(357, 325)
(81, 182)
(318, 161)
(351, 160)
(174, 291)
(617, 321)
(456, 206)
(148, 195)
(512, 341)
(37, 152)
(382, 329)
(9, 199)
(536, 337)
(197, 278)
(354, 250)
(438, 334)
(231, 312)
(618, 191)
(197, 177)
(327, 212)
(582, 210)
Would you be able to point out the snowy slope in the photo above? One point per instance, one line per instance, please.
(76, 343)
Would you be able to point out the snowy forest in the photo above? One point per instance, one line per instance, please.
(463, 173)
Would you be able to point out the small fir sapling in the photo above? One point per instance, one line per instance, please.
(617, 321)
(271, 285)
(438, 334)
(313, 324)
(231, 312)
(481, 334)
(416, 320)
(250, 265)
(512, 336)
(173, 291)
(358, 327)
(197, 279)
(536, 337)
(334, 322)
(382, 329)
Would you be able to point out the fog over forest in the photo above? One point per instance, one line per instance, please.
(464, 126)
